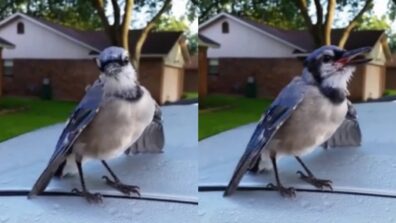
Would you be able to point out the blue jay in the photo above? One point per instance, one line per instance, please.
(116, 113)
(306, 113)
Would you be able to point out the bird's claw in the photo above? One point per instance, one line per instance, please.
(123, 188)
(318, 183)
(91, 198)
(285, 192)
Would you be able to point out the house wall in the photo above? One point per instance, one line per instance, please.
(374, 82)
(242, 41)
(390, 78)
(378, 54)
(39, 42)
(356, 86)
(191, 80)
(151, 76)
(271, 76)
(175, 57)
(203, 71)
(68, 77)
(172, 84)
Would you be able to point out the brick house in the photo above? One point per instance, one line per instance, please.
(191, 74)
(3, 44)
(203, 44)
(391, 73)
(272, 57)
(65, 56)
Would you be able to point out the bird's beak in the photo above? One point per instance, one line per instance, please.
(355, 57)
(112, 69)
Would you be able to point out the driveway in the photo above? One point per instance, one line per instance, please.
(168, 181)
(364, 178)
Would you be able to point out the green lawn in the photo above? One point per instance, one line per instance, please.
(190, 95)
(219, 113)
(390, 92)
(30, 114)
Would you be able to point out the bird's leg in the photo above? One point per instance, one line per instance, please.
(285, 192)
(125, 189)
(91, 198)
(311, 179)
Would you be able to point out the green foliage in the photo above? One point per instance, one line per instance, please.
(74, 13)
(192, 43)
(372, 22)
(171, 23)
(278, 13)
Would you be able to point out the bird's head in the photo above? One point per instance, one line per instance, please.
(117, 71)
(114, 61)
(331, 66)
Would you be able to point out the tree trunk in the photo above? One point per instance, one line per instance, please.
(329, 22)
(142, 38)
(347, 31)
(124, 35)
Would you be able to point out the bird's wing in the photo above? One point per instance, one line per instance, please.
(279, 111)
(348, 134)
(152, 139)
(82, 115)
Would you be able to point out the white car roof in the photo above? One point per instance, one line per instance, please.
(168, 180)
(364, 178)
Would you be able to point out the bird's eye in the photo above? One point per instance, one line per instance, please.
(326, 58)
(124, 60)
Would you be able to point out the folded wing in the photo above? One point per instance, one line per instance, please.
(279, 111)
(82, 115)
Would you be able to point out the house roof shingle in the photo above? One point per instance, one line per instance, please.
(208, 42)
(6, 44)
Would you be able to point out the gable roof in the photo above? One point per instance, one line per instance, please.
(6, 44)
(156, 44)
(205, 41)
(302, 39)
(267, 30)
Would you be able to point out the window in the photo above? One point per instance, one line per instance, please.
(8, 66)
(213, 67)
(20, 28)
(225, 27)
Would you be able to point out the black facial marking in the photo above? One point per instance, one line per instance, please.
(131, 95)
(119, 61)
(338, 54)
(335, 95)
(313, 67)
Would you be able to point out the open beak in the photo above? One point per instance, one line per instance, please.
(355, 57)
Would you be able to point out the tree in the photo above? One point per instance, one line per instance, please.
(171, 23)
(118, 30)
(321, 29)
(278, 13)
(372, 22)
(77, 13)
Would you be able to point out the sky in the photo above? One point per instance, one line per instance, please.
(179, 10)
(380, 9)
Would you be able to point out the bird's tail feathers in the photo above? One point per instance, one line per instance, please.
(44, 179)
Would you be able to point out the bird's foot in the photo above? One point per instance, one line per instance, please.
(318, 183)
(91, 198)
(123, 188)
(284, 192)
